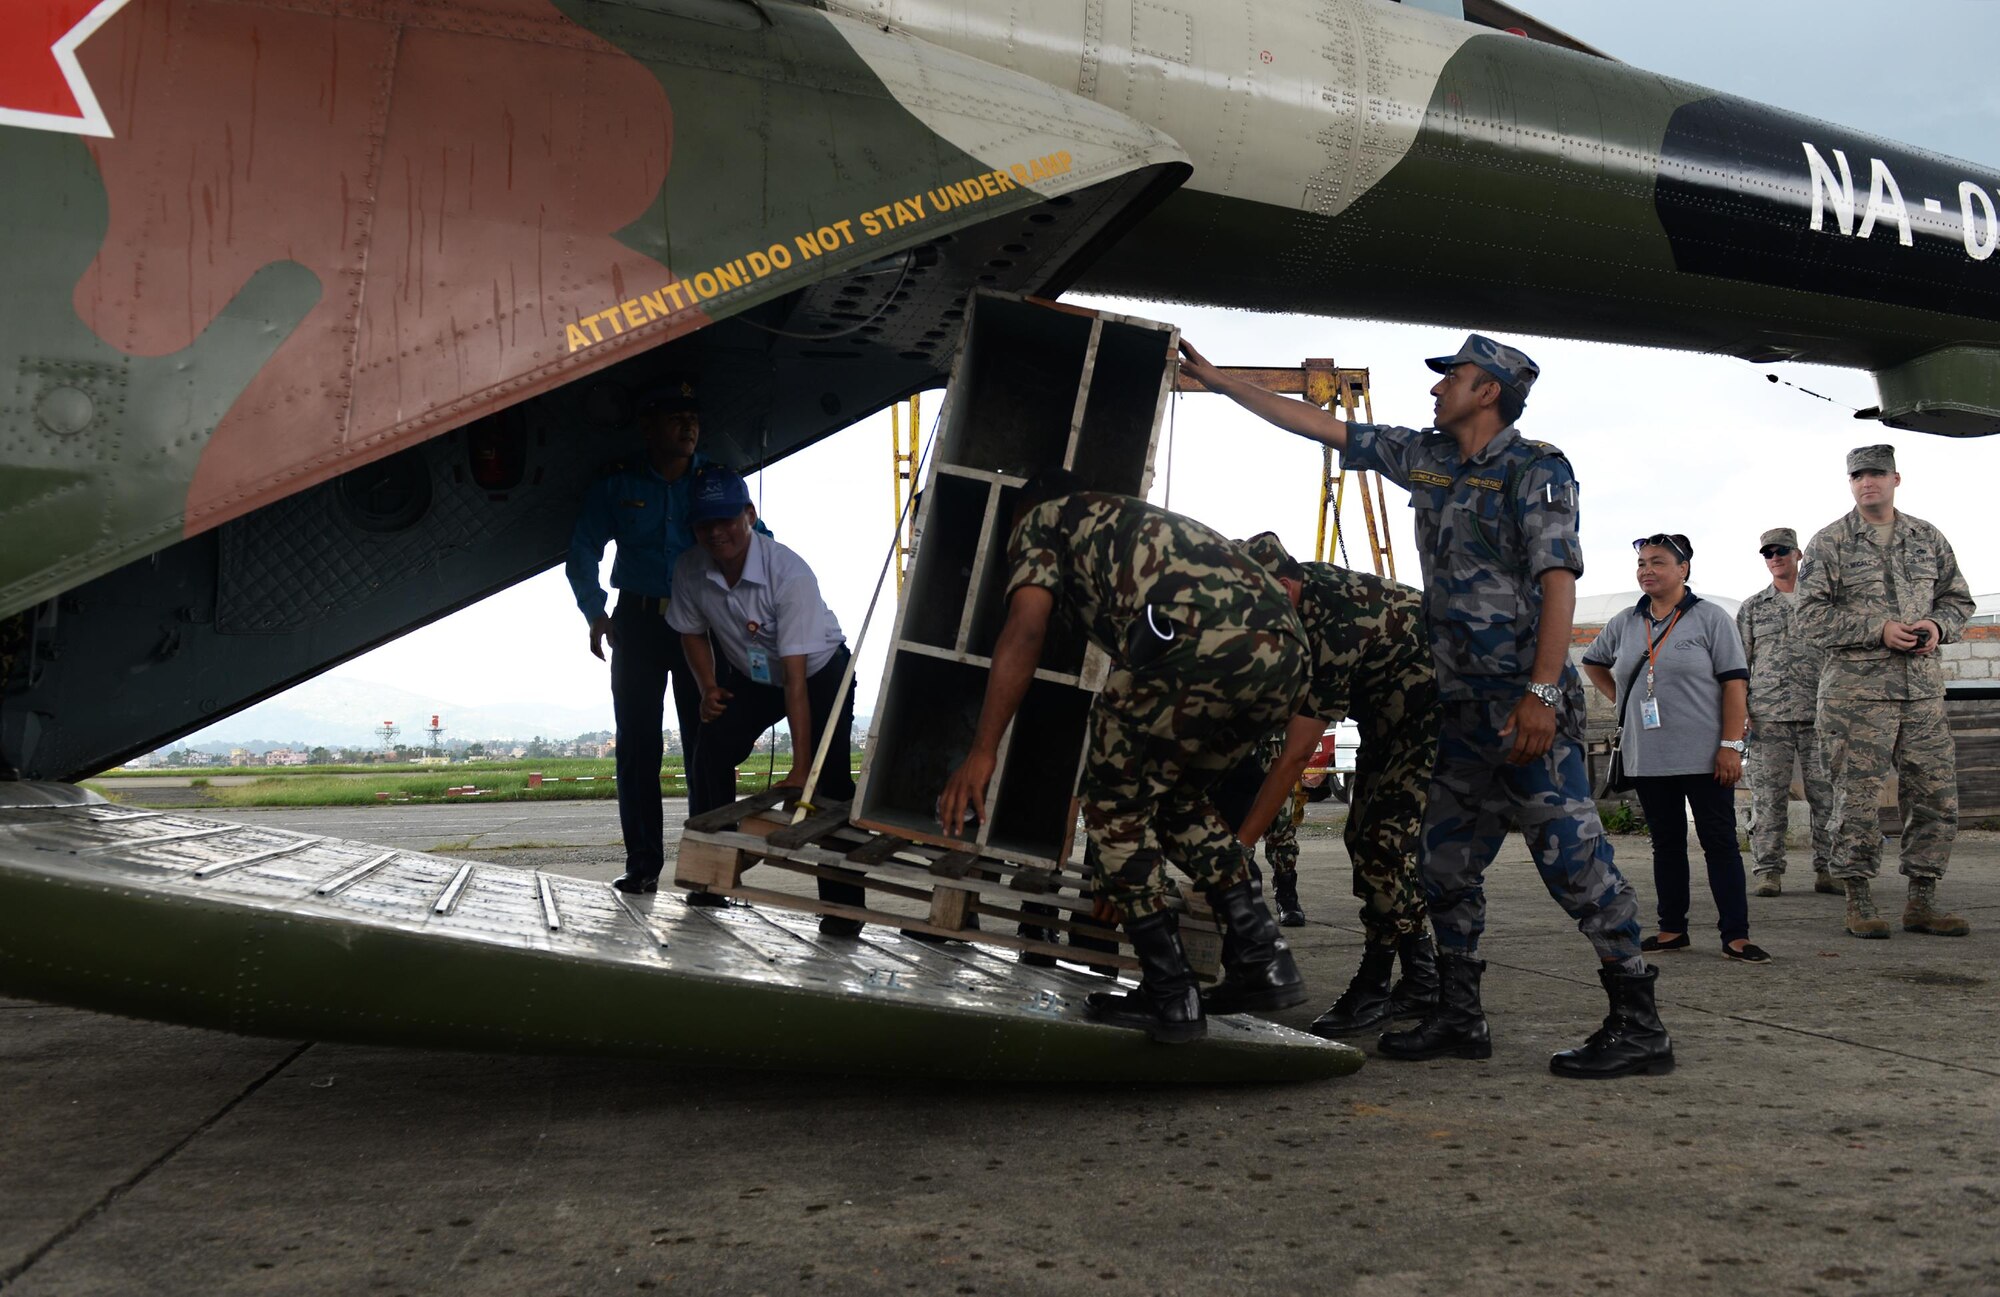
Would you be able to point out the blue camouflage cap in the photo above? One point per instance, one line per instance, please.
(717, 493)
(1511, 367)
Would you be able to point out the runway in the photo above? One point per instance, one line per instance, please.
(1830, 1130)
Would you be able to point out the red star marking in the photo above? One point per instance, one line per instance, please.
(41, 84)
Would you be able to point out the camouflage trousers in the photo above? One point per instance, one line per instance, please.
(1160, 738)
(1386, 804)
(1863, 741)
(1281, 841)
(1775, 747)
(1476, 795)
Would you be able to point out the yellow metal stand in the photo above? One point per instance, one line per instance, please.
(903, 465)
(1326, 384)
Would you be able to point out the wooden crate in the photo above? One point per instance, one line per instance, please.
(719, 847)
(1036, 386)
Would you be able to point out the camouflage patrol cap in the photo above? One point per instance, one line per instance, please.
(1864, 459)
(1511, 367)
(1269, 553)
(1779, 536)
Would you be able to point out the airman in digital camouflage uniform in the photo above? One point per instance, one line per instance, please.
(1496, 523)
(1207, 658)
(1881, 592)
(1371, 660)
(1784, 696)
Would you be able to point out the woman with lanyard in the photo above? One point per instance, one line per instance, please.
(1675, 669)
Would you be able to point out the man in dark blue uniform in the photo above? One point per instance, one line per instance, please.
(1496, 523)
(643, 506)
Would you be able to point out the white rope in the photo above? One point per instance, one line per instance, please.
(805, 806)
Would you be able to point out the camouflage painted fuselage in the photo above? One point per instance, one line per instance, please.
(281, 243)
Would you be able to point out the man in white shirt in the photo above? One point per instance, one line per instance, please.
(783, 657)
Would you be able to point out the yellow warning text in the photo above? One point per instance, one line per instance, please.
(693, 292)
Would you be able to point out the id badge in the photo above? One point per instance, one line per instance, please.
(1649, 713)
(760, 667)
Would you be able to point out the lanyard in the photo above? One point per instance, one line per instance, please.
(1653, 647)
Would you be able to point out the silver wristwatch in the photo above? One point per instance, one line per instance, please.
(1738, 746)
(1550, 694)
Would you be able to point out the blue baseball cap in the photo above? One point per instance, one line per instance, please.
(669, 396)
(1514, 370)
(718, 493)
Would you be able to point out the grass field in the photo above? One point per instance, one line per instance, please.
(464, 771)
(337, 786)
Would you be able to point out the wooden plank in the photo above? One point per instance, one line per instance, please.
(903, 922)
(954, 864)
(949, 906)
(728, 817)
(708, 865)
(832, 816)
(878, 850)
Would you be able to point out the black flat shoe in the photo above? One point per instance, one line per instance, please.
(1750, 954)
(1653, 944)
(636, 885)
(706, 901)
(832, 925)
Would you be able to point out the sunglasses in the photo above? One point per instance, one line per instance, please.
(1775, 551)
(1681, 546)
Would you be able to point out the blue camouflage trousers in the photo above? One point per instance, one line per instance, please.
(1476, 796)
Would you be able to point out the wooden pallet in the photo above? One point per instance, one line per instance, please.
(719, 847)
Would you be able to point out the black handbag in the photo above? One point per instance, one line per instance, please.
(1615, 778)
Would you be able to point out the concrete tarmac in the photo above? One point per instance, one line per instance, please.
(1831, 1130)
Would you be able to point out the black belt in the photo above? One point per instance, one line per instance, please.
(646, 603)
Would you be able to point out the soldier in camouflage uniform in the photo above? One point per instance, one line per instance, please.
(1496, 523)
(1207, 658)
(1784, 696)
(1371, 660)
(1281, 840)
(1882, 592)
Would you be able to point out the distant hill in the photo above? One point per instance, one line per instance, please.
(334, 712)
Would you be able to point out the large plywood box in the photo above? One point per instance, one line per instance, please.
(1036, 386)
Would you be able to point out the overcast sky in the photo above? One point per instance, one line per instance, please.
(1660, 441)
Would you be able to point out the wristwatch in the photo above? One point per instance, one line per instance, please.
(1549, 694)
(1738, 746)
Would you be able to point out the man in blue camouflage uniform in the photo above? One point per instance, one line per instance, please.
(1496, 523)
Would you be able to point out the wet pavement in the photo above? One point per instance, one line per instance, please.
(1831, 1129)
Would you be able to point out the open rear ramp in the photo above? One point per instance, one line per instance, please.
(255, 930)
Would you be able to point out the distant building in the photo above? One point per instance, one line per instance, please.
(286, 757)
(239, 757)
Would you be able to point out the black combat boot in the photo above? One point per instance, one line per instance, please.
(1285, 892)
(1415, 994)
(1167, 1003)
(1631, 1042)
(1365, 1002)
(1258, 975)
(1456, 1027)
